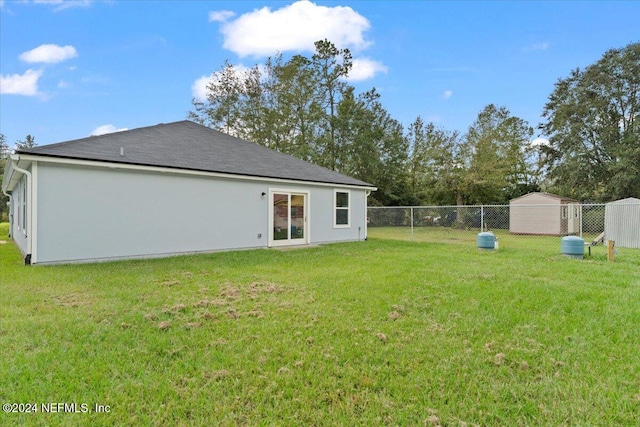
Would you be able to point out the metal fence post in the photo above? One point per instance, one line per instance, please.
(481, 218)
(412, 222)
(580, 214)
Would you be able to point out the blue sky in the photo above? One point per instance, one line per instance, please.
(73, 68)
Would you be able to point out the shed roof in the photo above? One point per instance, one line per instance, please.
(627, 201)
(547, 195)
(190, 146)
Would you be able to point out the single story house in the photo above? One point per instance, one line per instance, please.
(622, 222)
(544, 214)
(173, 188)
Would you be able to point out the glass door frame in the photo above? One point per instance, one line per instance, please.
(306, 230)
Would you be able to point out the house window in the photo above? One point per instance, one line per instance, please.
(18, 204)
(24, 205)
(342, 209)
(565, 209)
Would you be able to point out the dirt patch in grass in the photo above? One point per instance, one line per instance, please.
(382, 337)
(170, 282)
(69, 300)
(163, 326)
(230, 292)
(216, 375)
(231, 302)
(394, 315)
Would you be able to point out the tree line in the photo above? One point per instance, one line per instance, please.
(304, 106)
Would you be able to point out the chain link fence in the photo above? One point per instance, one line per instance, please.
(530, 226)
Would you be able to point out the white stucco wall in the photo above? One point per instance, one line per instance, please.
(89, 213)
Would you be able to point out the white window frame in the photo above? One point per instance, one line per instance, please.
(18, 205)
(24, 205)
(335, 208)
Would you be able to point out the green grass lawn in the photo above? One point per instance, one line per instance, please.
(383, 332)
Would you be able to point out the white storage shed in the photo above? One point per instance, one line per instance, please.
(622, 222)
(544, 214)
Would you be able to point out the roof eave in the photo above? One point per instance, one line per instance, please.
(132, 165)
(12, 176)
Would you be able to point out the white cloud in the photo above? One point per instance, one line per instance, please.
(294, 27)
(63, 85)
(104, 129)
(64, 4)
(536, 46)
(447, 94)
(49, 54)
(17, 84)
(220, 15)
(199, 88)
(94, 79)
(539, 141)
(364, 69)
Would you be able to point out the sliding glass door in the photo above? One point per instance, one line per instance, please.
(288, 218)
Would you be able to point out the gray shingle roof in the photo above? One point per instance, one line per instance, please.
(190, 146)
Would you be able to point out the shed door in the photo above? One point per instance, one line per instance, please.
(288, 218)
(574, 218)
